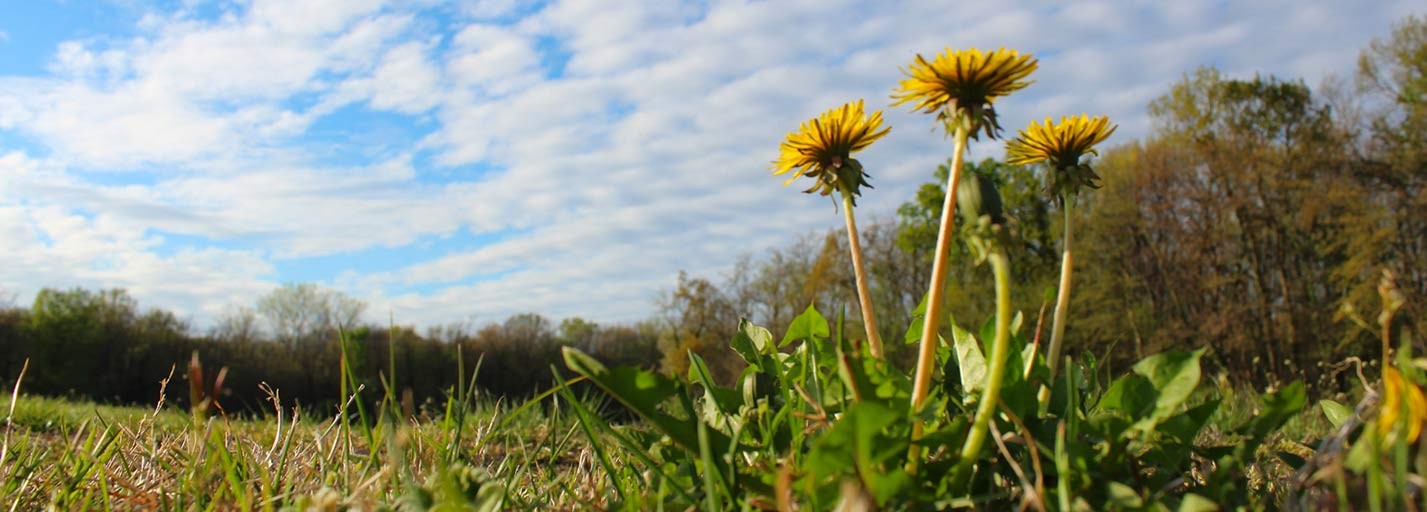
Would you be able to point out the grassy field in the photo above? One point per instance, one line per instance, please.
(812, 426)
(77, 455)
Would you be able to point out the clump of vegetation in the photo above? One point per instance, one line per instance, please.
(816, 421)
(475, 453)
(1374, 453)
(985, 419)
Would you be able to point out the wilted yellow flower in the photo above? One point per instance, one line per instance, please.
(1062, 145)
(1403, 405)
(822, 149)
(961, 86)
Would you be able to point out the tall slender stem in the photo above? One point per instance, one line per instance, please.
(1062, 306)
(990, 395)
(864, 296)
(931, 322)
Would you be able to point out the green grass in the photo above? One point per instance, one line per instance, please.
(44, 414)
(722, 449)
(73, 455)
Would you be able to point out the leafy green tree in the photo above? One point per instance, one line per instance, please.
(577, 331)
(1034, 252)
(1228, 223)
(69, 336)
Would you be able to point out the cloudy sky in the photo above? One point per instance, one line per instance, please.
(464, 161)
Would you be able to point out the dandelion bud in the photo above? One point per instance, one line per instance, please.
(978, 198)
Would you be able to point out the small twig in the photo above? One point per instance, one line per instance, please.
(1031, 444)
(1031, 497)
(277, 407)
(821, 416)
(339, 417)
(1335, 369)
(163, 390)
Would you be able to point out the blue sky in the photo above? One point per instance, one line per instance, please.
(458, 161)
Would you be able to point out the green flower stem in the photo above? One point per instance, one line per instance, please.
(931, 322)
(1062, 306)
(990, 395)
(864, 296)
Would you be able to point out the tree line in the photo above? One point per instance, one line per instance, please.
(1258, 218)
(103, 346)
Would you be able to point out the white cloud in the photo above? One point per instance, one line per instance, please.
(406, 81)
(124, 127)
(189, 90)
(493, 59)
(75, 59)
(310, 17)
(492, 9)
(57, 248)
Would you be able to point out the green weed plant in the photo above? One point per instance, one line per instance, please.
(819, 420)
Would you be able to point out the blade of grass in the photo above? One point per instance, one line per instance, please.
(9, 419)
(711, 474)
(587, 423)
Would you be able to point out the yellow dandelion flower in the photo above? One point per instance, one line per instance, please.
(1062, 145)
(822, 149)
(960, 86)
(1403, 406)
